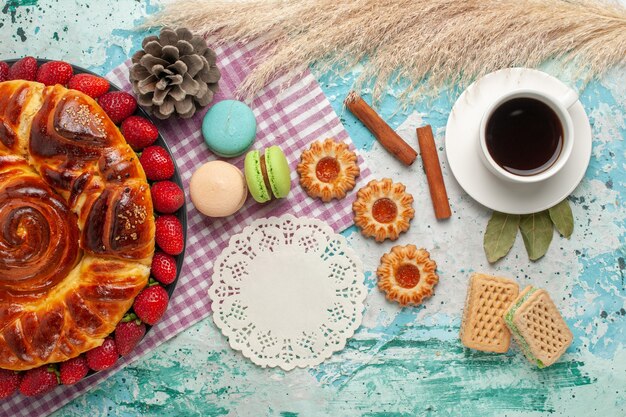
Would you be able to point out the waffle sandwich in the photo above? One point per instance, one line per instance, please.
(538, 327)
(483, 327)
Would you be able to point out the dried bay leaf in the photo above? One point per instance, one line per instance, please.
(537, 233)
(500, 235)
(563, 219)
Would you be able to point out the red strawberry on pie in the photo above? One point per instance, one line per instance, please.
(118, 105)
(169, 234)
(163, 268)
(4, 71)
(38, 381)
(24, 69)
(156, 163)
(167, 197)
(55, 72)
(102, 357)
(139, 132)
(73, 370)
(91, 85)
(9, 381)
(151, 303)
(128, 333)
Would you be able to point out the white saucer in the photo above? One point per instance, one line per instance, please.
(462, 146)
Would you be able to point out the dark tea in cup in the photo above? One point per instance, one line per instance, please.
(524, 136)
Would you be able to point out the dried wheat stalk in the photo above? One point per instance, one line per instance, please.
(442, 41)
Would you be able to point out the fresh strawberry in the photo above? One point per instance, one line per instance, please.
(102, 357)
(163, 268)
(128, 333)
(73, 370)
(139, 132)
(118, 105)
(89, 84)
(169, 234)
(9, 381)
(156, 163)
(38, 381)
(167, 197)
(24, 69)
(55, 72)
(4, 71)
(151, 303)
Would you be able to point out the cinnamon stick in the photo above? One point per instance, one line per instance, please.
(380, 129)
(437, 187)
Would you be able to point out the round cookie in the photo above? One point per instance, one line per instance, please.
(218, 189)
(229, 128)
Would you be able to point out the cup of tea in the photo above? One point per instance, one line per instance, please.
(527, 136)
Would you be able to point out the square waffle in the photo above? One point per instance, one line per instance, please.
(538, 327)
(483, 327)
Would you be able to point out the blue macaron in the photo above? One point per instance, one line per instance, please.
(229, 128)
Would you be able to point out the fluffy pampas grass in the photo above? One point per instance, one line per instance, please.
(440, 41)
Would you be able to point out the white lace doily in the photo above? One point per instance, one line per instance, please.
(287, 292)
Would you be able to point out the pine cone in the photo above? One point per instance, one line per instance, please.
(174, 73)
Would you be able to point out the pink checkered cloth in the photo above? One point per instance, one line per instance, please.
(292, 118)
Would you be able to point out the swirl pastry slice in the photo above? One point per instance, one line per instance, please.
(383, 209)
(76, 225)
(328, 170)
(407, 275)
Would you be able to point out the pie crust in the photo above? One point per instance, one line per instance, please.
(328, 170)
(383, 209)
(407, 275)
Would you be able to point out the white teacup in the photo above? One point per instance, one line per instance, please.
(560, 106)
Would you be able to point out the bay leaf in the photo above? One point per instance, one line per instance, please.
(537, 231)
(563, 219)
(500, 235)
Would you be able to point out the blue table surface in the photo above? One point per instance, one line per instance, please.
(401, 361)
